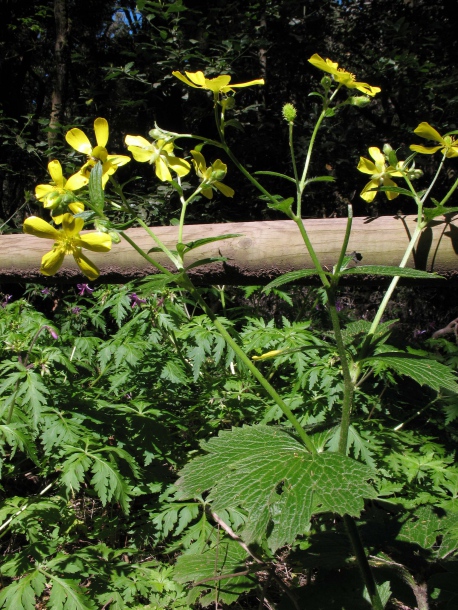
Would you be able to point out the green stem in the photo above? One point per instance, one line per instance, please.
(363, 563)
(343, 250)
(161, 245)
(394, 282)
(322, 275)
(144, 255)
(250, 366)
(349, 387)
(447, 196)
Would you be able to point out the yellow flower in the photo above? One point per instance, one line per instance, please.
(220, 84)
(80, 142)
(68, 241)
(447, 144)
(380, 174)
(342, 76)
(211, 176)
(57, 196)
(160, 153)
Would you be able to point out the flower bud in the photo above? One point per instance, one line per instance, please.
(115, 237)
(52, 200)
(326, 82)
(359, 100)
(228, 103)
(387, 149)
(289, 113)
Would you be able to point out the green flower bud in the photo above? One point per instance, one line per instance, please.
(115, 237)
(218, 175)
(52, 200)
(326, 82)
(289, 113)
(359, 100)
(228, 102)
(387, 149)
(100, 226)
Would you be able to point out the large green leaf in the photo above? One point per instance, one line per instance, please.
(210, 568)
(269, 474)
(422, 370)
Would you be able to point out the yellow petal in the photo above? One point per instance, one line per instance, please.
(208, 193)
(40, 228)
(77, 181)
(162, 171)
(366, 166)
(424, 150)
(179, 166)
(137, 141)
(79, 141)
(321, 64)
(226, 190)
(52, 261)
(424, 130)
(140, 154)
(197, 78)
(218, 84)
(365, 88)
(41, 190)
(97, 242)
(452, 152)
(378, 157)
(186, 80)
(101, 131)
(76, 207)
(118, 160)
(87, 266)
(367, 193)
(199, 160)
(55, 171)
(388, 182)
(257, 81)
(71, 225)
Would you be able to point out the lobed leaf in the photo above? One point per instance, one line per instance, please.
(269, 474)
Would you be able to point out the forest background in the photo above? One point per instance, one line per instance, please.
(62, 64)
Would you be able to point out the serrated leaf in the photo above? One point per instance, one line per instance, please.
(206, 261)
(96, 193)
(226, 558)
(269, 474)
(278, 175)
(291, 276)
(422, 370)
(440, 210)
(282, 205)
(66, 594)
(390, 272)
(421, 528)
(320, 179)
(395, 189)
(20, 594)
(207, 240)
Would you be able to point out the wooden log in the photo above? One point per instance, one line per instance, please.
(263, 251)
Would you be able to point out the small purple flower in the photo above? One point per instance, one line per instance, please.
(45, 291)
(52, 332)
(76, 310)
(135, 300)
(6, 300)
(83, 288)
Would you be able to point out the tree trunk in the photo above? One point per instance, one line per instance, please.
(61, 57)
